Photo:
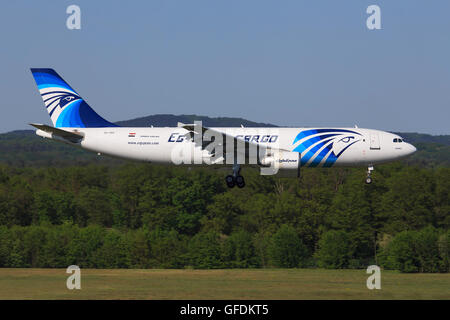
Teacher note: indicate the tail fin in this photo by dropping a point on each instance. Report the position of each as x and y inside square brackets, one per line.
[65, 107]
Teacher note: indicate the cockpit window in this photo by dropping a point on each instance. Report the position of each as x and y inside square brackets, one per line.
[400, 140]
[395, 140]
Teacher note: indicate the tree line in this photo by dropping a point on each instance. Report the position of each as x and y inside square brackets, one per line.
[147, 216]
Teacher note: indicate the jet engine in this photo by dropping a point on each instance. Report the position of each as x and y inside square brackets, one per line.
[282, 163]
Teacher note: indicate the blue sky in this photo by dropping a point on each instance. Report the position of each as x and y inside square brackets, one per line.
[294, 63]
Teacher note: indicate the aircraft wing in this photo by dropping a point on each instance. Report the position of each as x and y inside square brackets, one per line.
[242, 145]
[195, 129]
[66, 135]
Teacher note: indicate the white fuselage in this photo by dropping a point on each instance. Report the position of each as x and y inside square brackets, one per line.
[319, 147]
[76, 123]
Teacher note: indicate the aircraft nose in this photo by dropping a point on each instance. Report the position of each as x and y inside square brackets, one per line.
[411, 149]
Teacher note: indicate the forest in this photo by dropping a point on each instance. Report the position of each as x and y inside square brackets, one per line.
[135, 215]
[60, 206]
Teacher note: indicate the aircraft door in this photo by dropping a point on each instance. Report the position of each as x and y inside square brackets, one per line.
[374, 141]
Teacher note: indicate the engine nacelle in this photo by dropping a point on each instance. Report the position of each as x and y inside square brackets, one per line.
[281, 162]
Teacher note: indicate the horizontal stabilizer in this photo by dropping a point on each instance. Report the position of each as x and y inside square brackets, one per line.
[67, 135]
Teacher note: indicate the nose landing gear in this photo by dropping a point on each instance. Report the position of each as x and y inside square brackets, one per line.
[369, 172]
[236, 178]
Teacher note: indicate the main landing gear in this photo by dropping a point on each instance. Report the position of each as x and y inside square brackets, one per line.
[369, 172]
[235, 178]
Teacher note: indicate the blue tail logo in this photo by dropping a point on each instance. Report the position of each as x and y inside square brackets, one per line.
[65, 107]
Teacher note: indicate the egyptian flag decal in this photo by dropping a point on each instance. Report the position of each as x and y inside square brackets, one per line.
[132, 134]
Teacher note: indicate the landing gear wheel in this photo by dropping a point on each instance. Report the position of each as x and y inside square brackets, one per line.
[230, 181]
[235, 178]
[240, 181]
[369, 172]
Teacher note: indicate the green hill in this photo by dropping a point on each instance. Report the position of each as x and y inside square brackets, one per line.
[170, 120]
[416, 138]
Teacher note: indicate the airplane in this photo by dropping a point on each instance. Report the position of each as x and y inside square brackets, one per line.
[274, 150]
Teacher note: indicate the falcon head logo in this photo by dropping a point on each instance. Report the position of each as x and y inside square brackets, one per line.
[324, 146]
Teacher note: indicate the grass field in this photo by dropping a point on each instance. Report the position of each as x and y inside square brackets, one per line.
[220, 284]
